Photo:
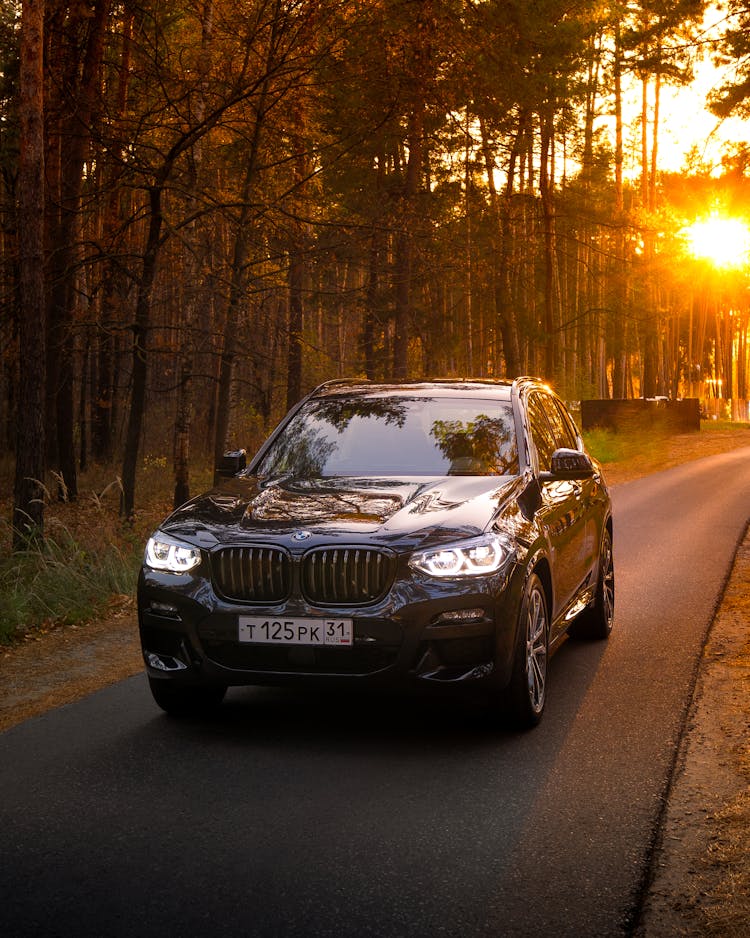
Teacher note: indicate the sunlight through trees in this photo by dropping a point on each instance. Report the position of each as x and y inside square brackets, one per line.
[242, 199]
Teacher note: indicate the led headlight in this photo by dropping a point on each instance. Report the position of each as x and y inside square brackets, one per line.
[476, 557]
[165, 553]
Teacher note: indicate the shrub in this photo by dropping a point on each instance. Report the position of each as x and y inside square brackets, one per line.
[60, 581]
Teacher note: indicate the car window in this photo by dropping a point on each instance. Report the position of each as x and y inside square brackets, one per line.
[570, 423]
[541, 432]
[394, 436]
[564, 433]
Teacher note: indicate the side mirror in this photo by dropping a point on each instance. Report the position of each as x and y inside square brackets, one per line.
[568, 464]
[230, 464]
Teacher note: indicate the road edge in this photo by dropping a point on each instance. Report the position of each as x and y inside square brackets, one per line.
[661, 909]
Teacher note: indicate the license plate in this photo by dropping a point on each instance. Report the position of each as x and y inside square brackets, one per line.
[266, 631]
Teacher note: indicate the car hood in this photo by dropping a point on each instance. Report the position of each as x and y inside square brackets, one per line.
[327, 510]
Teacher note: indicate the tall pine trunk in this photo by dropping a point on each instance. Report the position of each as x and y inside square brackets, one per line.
[75, 137]
[405, 245]
[112, 290]
[28, 506]
[192, 255]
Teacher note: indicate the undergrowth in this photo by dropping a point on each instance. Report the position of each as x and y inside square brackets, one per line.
[607, 446]
[88, 555]
[649, 450]
[59, 581]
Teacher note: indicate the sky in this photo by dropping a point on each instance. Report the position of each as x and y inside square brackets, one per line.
[685, 120]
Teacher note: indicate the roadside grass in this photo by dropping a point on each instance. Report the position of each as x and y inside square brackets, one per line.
[632, 454]
[88, 562]
[608, 446]
[724, 907]
[62, 582]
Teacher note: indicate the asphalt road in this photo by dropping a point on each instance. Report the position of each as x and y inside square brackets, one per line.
[292, 815]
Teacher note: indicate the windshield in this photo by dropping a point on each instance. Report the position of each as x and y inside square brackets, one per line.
[395, 436]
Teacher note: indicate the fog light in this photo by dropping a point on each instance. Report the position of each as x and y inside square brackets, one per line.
[163, 609]
[461, 615]
[164, 662]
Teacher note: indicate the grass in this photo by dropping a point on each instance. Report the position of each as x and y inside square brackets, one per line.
[609, 447]
[61, 582]
[632, 453]
[89, 558]
[718, 426]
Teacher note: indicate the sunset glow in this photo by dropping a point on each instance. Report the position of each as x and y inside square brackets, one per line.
[723, 241]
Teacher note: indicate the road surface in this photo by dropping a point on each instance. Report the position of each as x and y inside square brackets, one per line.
[306, 815]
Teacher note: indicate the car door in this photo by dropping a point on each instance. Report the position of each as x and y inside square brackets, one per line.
[561, 513]
[591, 489]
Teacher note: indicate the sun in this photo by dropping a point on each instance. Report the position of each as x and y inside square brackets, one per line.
[723, 241]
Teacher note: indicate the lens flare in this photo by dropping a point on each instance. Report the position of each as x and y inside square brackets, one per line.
[725, 242]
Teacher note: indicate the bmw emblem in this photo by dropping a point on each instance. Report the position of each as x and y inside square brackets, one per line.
[301, 535]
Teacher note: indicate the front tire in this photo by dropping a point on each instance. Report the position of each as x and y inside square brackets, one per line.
[186, 700]
[526, 693]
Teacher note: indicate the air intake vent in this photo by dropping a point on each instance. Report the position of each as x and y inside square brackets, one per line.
[253, 574]
[346, 576]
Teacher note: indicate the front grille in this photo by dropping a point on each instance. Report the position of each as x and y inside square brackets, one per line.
[345, 576]
[342, 576]
[253, 574]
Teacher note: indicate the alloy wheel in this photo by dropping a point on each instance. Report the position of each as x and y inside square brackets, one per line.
[536, 649]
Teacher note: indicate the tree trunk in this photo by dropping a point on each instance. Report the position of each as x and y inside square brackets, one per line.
[546, 185]
[75, 136]
[28, 506]
[236, 293]
[644, 141]
[103, 405]
[405, 245]
[139, 353]
[618, 324]
[295, 281]
[372, 325]
[184, 415]
[654, 144]
[502, 243]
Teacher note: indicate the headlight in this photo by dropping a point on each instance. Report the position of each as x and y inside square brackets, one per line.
[477, 557]
[165, 553]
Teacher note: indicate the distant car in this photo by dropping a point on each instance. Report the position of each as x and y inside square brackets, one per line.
[444, 534]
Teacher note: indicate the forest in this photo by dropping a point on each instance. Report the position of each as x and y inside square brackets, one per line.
[210, 206]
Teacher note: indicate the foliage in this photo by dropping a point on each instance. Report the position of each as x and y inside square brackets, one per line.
[244, 199]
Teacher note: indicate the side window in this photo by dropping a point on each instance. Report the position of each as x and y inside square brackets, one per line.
[541, 432]
[565, 435]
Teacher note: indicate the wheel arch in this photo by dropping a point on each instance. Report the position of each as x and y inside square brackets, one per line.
[542, 569]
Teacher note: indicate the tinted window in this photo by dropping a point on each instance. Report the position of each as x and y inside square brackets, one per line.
[541, 432]
[564, 433]
[423, 436]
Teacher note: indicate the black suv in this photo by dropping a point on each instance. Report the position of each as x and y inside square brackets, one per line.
[445, 533]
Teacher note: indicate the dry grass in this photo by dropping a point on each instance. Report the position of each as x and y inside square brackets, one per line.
[89, 555]
[702, 868]
[727, 909]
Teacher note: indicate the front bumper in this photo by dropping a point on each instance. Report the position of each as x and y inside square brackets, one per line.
[424, 631]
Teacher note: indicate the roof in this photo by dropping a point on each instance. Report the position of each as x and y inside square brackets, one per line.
[448, 387]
